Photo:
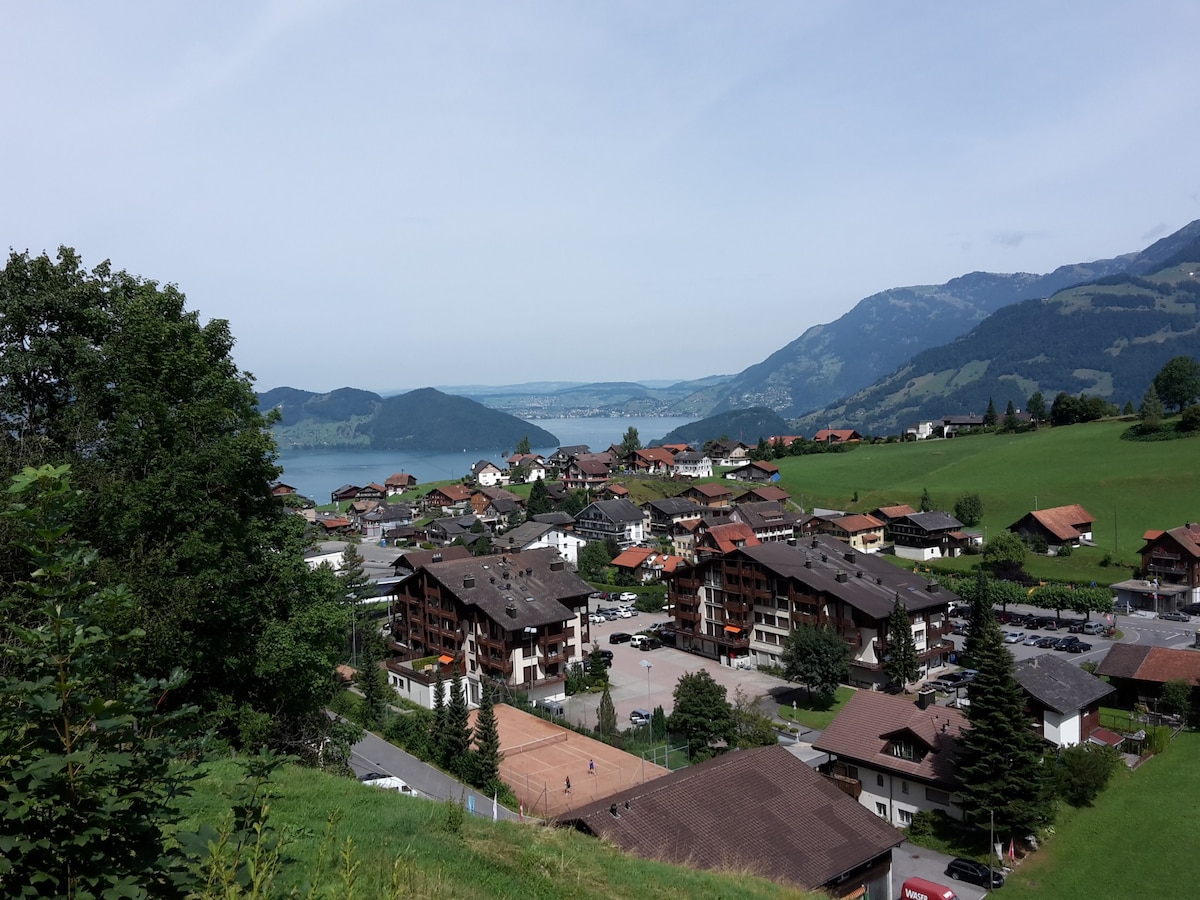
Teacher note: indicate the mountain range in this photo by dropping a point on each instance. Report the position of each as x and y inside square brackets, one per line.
[1103, 327]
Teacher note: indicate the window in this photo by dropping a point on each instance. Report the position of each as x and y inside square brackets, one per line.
[905, 817]
[904, 787]
[881, 810]
[879, 780]
[936, 796]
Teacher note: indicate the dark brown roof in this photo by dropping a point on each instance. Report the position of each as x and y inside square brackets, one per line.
[761, 810]
[1122, 660]
[768, 492]
[709, 489]
[1156, 664]
[1186, 536]
[864, 729]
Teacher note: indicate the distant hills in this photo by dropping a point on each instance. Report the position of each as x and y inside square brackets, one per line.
[424, 420]
[746, 425]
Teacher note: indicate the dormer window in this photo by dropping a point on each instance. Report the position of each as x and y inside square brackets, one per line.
[906, 750]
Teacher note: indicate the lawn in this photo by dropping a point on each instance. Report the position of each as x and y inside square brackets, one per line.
[405, 847]
[811, 716]
[1139, 840]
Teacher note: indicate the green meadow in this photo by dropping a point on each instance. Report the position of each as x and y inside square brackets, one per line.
[1127, 486]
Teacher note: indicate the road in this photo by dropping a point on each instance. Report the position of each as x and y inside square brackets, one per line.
[373, 754]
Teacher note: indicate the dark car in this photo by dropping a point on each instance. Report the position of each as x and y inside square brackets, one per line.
[1080, 647]
[973, 872]
[1049, 624]
[619, 637]
[1192, 609]
[1066, 642]
[667, 636]
[1046, 643]
[651, 643]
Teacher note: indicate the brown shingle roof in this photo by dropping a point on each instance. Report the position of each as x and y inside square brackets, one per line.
[853, 524]
[865, 727]
[1064, 522]
[1122, 660]
[709, 489]
[895, 512]
[729, 536]
[1163, 664]
[761, 810]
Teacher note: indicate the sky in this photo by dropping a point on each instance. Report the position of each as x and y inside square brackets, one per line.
[389, 195]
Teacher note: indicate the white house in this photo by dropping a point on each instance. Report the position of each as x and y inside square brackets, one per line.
[691, 464]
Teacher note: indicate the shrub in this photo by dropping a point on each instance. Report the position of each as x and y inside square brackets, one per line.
[1082, 772]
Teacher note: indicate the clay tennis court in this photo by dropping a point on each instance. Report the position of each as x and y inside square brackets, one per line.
[538, 756]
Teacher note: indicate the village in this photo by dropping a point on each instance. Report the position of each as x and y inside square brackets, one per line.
[716, 577]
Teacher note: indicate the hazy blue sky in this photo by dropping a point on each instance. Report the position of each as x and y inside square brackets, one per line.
[389, 195]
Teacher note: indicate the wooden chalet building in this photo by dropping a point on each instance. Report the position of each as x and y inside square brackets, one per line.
[345, 492]
[519, 619]
[586, 473]
[926, 535]
[1057, 526]
[769, 520]
[862, 532]
[661, 514]
[757, 471]
[1062, 700]
[1173, 558]
[616, 519]
[447, 499]
[710, 494]
[399, 483]
[744, 603]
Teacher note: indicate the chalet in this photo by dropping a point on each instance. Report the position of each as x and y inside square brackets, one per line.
[385, 518]
[495, 505]
[728, 453]
[784, 441]
[524, 468]
[660, 515]
[407, 563]
[926, 535]
[614, 490]
[837, 436]
[886, 514]
[1138, 671]
[764, 493]
[682, 536]
[1062, 699]
[534, 535]
[755, 470]
[520, 619]
[769, 520]
[452, 529]
[399, 483]
[645, 564]
[679, 448]
[760, 811]
[1057, 526]
[692, 464]
[335, 524]
[616, 519]
[372, 491]
[896, 759]
[563, 455]
[556, 492]
[746, 601]
[862, 532]
[1173, 558]
[919, 431]
[279, 489]
[585, 473]
[488, 474]
[562, 520]
[953, 425]
[650, 461]
[709, 494]
[717, 540]
[344, 493]
[448, 499]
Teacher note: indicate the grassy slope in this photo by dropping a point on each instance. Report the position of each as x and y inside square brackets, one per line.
[1133, 843]
[1128, 486]
[485, 860]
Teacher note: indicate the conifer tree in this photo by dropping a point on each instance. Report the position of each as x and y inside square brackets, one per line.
[901, 665]
[999, 759]
[607, 714]
[989, 417]
[1151, 410]
[487, 744]
[1010, 417]
[457, 739]
[437, 728]
[926, 501]
[372, 681]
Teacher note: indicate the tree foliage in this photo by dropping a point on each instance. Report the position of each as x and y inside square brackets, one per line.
[456, 743]
[1151, 411]
[901, 664]
[968, 509]
[607, 715]
[818, 658]
[989, 417]
[111, 374]
[523, 447]
[372, 681]
[630, 443]
[593, 560]
[1178, 382]
[487, 743]
[539, 499]
[752, 728]
[1036, 407]
[702, 714]
[87, 745]
[1004, 547]
[999, 759]
[1082, 771]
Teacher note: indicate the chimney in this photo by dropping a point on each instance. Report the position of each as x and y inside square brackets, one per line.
[468, 581]
[556, 565]
[849, 556]
[843, 577]
[511, 609]
[933, 587]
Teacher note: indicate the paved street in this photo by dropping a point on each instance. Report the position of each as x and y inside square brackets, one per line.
[373, 754]
[909, 860]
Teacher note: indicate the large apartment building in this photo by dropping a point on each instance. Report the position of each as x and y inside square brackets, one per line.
[516, 618]
[743, 604]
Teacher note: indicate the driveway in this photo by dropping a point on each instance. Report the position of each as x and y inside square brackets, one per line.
[909, 861]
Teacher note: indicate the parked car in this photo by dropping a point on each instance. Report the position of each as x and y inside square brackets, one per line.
[619, 637]
[1032, 640]
[1066, 642]
[627, 597]
[388, 783]
[1014, 637]
[1075, 627]
[639, 717]
[1093, 628]
[597, 618]
[1125, 608]
[1192, 609]
[1046, 643]
[1175, 616]
[953, 680]
[624, 614]
[962, 628]
[1049, 624]
[667, 636]
[974, 872]
[1080, 647]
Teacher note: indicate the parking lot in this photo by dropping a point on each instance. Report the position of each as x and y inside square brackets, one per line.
[645, 679]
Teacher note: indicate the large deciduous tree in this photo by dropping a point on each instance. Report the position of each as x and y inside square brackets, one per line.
[818, 658]
[1178, 382]
[630, 443]
[1036, 407]
[968, 509]
[111, 374]
[702, 714]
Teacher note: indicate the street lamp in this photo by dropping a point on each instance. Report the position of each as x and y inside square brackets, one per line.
[648, 666]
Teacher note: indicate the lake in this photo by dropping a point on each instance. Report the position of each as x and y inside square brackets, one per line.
[316, 473]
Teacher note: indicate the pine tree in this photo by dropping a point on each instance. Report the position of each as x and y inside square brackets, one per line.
[437, 728]
[989, 417]
[354, 587]
[999, 759]
[901, 665]
[607, 715]
[539, 499]
[457, 740]
[1011, 423]
[658, 724]
[926, 501]
[372, 681]
[487, 744]
[1151, 411]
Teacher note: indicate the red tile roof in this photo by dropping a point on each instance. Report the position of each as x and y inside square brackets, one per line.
[854, 524]
[767, 492]
[1157, 664]
[709, 489]
[896, 512]
[731, 536]
[633, 557]
[1064, 522]
[864, 729]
